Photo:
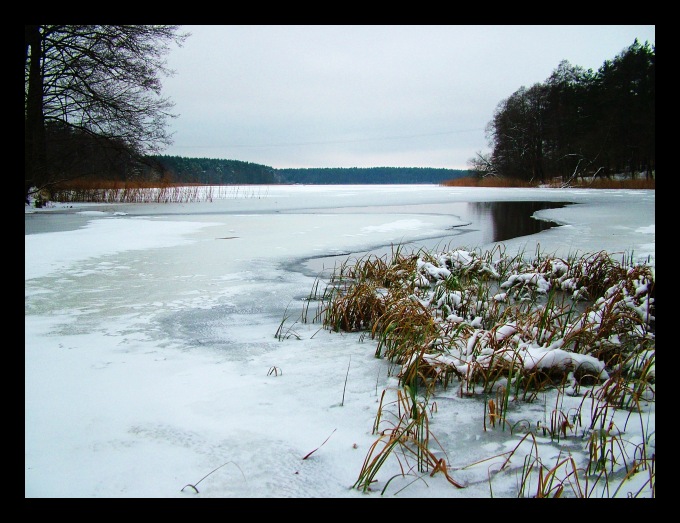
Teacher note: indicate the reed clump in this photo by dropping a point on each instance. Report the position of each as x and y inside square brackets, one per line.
[512, 329]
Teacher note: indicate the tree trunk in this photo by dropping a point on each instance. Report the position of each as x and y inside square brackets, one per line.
[34, 127]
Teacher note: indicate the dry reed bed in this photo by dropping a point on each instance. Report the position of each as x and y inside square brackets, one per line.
[125, 192]
[507, 329]
[558, 183]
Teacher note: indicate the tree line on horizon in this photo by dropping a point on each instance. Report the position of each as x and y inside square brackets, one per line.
[93, 110]
[216, 171]
[370, 175]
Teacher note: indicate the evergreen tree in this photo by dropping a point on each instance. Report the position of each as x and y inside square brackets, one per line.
[578, 122]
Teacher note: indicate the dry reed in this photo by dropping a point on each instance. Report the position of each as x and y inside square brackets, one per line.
[492, 323]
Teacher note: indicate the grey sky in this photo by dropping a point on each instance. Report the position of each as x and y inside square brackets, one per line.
[363, 96]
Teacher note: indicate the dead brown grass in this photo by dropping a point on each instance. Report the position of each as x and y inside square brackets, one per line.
[470, 181]
[603, 183]
[468, 318]
[598, 183]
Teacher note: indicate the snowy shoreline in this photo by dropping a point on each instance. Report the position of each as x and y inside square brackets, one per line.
[148, 344]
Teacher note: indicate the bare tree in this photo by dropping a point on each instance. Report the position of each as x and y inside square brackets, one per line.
[518, 134]
[101, 81]
[482, 165]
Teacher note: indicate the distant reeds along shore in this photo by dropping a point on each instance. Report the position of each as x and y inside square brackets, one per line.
[91, 191]
[585, 183]
[139, 191]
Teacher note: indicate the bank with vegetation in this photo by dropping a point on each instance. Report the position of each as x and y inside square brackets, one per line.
[576, 335]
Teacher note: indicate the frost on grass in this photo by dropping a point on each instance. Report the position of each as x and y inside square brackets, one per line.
[515, 327]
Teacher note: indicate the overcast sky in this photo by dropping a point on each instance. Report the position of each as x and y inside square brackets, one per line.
[363, 96]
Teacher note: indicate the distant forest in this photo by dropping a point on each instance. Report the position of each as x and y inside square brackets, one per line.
[211, 171]
[178, 169]
[367, 175]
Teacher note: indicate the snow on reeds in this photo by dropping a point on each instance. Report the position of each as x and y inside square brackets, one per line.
[511, 329]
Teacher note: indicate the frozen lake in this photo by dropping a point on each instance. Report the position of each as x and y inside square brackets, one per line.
[362, 217]
[150, 328]
[261, 251]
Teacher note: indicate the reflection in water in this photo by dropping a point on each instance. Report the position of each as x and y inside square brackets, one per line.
[510, 220]
[486, 222]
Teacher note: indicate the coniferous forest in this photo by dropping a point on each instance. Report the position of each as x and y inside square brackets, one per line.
[178, 169]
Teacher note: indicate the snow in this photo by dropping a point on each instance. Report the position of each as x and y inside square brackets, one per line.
[153, 368]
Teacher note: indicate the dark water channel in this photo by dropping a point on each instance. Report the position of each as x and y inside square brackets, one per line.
[54, 221]
[510, 220]
[484, 223]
